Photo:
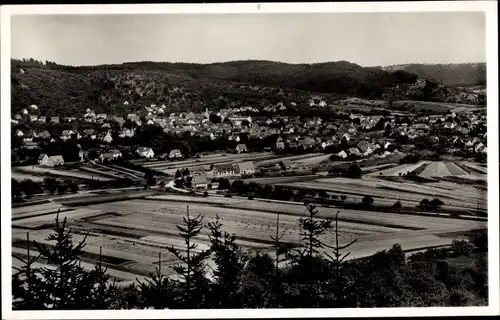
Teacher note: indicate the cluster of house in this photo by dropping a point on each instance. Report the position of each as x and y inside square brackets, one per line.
[292, 132]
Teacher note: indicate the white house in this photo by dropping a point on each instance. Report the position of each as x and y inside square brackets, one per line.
[107, 137]
[43, 159]
[200, 182]
[342, 154]
[479, 147]
[224, 170]
[240, 148]
[51, 161]
[175, 154]
[145, 152]
[126, 133]
[355, 151]
[246, 167]
[345, 137]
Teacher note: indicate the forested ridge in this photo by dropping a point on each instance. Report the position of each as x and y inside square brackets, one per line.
[460, 74]
[124, 88]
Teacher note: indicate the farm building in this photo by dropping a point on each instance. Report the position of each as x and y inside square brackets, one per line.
[240, 148]
[52, 161]
[33, 118]
[200, 182]
[110, 156]
[30, 145]
[246, 167]
[342, 154]
[355, 151]
[224, 170]
[54, 119]
[145, 152]
[107, 156]
[364, 147]
[175, 154]
[345, 137]
[306, 143]
[293, 145]
[119, 120]
[116, 153]
[126, 133]
[42, 119]
[44, 135]
[107, 137]
[420, 128]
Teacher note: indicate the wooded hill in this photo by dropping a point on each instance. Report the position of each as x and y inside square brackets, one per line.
[461, 74]
[124, 88]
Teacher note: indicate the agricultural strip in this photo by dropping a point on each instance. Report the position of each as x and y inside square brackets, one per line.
[58, 173]
[475, 167]
[454, 169]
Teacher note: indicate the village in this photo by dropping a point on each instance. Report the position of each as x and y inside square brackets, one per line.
[350, 135]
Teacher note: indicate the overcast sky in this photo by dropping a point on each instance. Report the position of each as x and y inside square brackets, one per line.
[364, 38]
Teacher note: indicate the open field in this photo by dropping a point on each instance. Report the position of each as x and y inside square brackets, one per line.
[203, 161]
[25, 176]
[430, 169]
[59, 173]
[133, 232]
[434, 106]
[475, 167]
[274, 180]
[461, 196]
[127, 170]
[397, 170]
[100, 173]
[314, 159]
[294, 158]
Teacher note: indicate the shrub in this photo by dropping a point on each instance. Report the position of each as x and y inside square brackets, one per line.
[397, 205]
[205, 194]
[461, 248]
[367, 201]
[73, 187]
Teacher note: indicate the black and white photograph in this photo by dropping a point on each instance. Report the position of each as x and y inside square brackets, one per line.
[271, 156]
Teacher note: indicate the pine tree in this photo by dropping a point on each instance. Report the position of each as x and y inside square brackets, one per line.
[230, 262]
[309, 265]
[27, 289]
[66, 286]
[192, 270]
[102, 292]
[337, 261]
[155, 292]
[281, 252]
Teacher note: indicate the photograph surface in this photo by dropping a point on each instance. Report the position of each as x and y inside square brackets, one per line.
[248, 160]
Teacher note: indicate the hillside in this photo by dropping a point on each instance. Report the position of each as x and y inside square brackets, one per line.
[462, 74]
[121, 89]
